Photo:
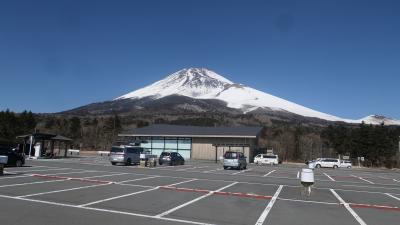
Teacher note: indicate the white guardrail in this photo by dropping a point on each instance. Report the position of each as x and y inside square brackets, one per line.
[103, 153]
[72, 151]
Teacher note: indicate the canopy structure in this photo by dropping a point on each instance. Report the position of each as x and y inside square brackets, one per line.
[43, 144]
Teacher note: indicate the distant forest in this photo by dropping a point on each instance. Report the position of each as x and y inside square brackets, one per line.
[293, 141]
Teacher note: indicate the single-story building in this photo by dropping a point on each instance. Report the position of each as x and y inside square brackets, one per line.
[194, 142]
[44, 144]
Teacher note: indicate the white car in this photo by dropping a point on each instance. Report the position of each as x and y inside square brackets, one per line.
[266, 159]
[346, 164]
[327, 163]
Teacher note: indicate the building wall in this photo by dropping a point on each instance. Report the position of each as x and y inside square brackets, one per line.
[202, 148]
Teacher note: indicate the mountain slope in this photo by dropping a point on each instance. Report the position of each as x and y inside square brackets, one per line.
[196, 91]
[201, 83]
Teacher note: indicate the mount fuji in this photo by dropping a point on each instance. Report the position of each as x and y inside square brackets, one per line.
[193, 91]
[204, 84]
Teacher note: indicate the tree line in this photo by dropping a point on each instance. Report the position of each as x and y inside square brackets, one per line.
[378, 144]
[292, 141]
[13, 124]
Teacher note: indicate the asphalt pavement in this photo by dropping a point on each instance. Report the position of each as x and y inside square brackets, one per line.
[89, 190]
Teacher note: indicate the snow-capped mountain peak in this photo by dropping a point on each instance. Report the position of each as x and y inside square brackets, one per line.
[191, 82]
[379, 119]
[201, 83]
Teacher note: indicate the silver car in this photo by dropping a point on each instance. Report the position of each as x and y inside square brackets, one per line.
[234, 160]
[125, 154]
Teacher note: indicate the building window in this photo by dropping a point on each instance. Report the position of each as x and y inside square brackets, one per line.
[185, 143]
[157, 145]
[171, 143]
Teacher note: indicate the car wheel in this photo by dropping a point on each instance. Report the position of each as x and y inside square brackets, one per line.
[113, 163]
[349, 167]
[128, 162]
[182, 162]
[225, 167]
[245, 167]
[18, 163]
[318, 166]
[335, 167]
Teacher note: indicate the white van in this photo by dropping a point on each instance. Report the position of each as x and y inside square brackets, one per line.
[266, 159]
[327, 163]
[125, 154]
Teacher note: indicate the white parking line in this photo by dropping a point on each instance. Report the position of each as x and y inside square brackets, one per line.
[19, 176]
[137, 185]
[347, 206]
[40, 170]
[63, 190]
[56, 180]
[306, 201]
[329, 177]
[143, 178]
[193, 201]
[117, 197]
[107, 175]
[104, 210]
[29, 175]
[209, 171]
[241, 171]
[24, 167]
[85, 171]
[373, 187]
[186, 169]
[36, 182]
[363, 179]
[182, 182]
[167, 167]
[392, 196]
[271, 203]
[265, 175]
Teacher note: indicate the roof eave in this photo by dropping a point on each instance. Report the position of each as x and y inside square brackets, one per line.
[182, 135]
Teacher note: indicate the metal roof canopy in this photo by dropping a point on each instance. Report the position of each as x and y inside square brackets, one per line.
[231, 145]
[45, 136]
[194, 131]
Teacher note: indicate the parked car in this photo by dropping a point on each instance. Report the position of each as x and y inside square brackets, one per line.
[171, 158]
[125, 154]
[14, 158]
[346, 164]
[234, 160]
[266, 159]
[327, 163]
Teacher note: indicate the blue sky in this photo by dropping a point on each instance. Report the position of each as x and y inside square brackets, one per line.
[340, 57]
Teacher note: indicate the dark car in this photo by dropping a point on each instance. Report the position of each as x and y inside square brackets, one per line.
[171, 158]
[14, 158]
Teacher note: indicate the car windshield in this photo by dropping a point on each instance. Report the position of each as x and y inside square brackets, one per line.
[116, 150]
[231, 155]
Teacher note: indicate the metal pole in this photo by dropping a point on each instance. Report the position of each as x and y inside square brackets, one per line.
[30, 145]
[216, 152]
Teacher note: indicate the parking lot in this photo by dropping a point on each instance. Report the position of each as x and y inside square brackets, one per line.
[89, 190]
